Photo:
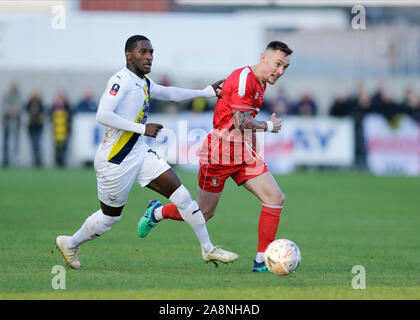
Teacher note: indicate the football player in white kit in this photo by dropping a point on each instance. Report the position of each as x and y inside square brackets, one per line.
[123, 158]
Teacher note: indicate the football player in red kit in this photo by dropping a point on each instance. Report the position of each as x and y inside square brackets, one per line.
[230, 150]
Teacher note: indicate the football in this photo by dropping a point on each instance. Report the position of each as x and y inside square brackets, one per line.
[282, 256]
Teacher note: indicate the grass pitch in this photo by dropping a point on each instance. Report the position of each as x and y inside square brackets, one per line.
[338, 220]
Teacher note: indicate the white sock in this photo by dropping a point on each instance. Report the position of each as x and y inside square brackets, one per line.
[158, 213]
[203, 236]
[260, 257]
[191, 213]
[95, 225]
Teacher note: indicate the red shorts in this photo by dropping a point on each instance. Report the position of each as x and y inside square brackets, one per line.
[212, 177]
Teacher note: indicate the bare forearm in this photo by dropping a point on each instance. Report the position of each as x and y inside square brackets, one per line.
[243, 120]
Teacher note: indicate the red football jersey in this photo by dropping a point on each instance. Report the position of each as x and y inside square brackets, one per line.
[241, 91]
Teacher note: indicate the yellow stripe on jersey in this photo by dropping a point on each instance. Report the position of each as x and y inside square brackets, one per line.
[122, 141]
[126, 138]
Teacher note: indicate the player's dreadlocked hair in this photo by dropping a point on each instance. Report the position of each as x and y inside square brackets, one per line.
[132, 42]
[278, 45]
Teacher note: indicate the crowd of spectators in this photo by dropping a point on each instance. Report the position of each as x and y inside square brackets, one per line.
[381, 102]
[350, 105]
[33, 113]
[356, 106]
[360, 104]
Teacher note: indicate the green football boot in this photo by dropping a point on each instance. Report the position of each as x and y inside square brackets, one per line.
[260, 267]
[148, 221]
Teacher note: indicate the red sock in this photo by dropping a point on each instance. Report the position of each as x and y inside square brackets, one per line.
[170, 211]
[268, 225]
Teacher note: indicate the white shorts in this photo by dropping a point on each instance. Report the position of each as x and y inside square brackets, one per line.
[115, 180]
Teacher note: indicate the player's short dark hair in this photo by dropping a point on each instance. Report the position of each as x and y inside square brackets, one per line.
[278, 45]
[131, 42]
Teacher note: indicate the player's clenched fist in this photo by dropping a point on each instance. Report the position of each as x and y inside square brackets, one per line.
[276, 123]
[152, 129]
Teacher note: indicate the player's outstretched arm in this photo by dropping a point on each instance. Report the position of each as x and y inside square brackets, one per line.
[180, 94]
[243, 120]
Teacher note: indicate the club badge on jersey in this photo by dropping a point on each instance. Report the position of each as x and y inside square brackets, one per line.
[215, 182]
[114, 89]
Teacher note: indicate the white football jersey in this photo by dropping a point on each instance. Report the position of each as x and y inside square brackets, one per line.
[130, 97]
[125, 104]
